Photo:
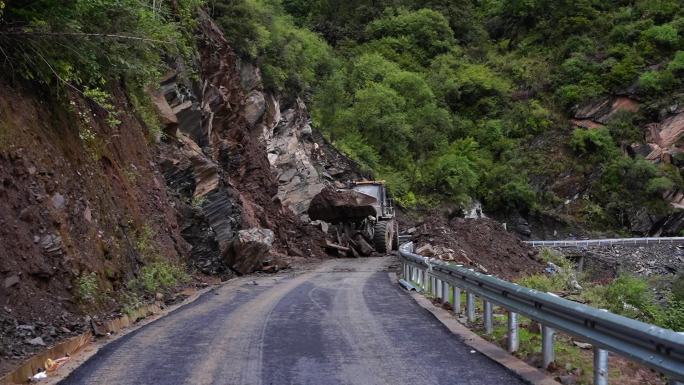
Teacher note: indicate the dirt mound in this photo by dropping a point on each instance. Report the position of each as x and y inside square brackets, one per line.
[482, 244]
[336, 206]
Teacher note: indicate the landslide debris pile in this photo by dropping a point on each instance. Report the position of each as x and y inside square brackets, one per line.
[337, 207]
[482, 244]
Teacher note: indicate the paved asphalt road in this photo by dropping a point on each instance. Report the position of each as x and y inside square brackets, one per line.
[343, 322]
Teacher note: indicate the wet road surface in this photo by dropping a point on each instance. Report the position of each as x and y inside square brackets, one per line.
[344, 322]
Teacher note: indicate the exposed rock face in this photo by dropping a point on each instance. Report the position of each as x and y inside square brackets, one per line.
[211, 215]
[663, 140]
[248, 249]
[290, 152]
[599, 113]
[665, 136]
[255, 106]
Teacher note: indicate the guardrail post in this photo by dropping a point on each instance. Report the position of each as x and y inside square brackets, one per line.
[457, 300]
[580, 264]
[600, 366]
[513, 342]
[438, 288]
[445, 292]
[547, 346]
[470, 306]
[488, 325]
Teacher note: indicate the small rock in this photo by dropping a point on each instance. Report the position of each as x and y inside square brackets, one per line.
[159, 296]
[11, 281]
[411, 230]
[582, 345]
[426, 250]
[568, 380]
[65, 330]
[58, 201]
[88, 214]
[26, 327]
[97, 329]
[38, 341]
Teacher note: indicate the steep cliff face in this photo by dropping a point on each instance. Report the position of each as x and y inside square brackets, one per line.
[80, 202]
[80, 197]
[662, 143]
[77, 196]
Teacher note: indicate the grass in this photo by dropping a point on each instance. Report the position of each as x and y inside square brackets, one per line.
[198, 202]
[627, 295]
[158, 276]
[144, 243]
[87, 289]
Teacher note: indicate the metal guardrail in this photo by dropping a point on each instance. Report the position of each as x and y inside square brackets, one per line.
[608, 242]
[658, 348]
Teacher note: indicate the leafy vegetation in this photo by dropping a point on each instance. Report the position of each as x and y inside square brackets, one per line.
[87, 47]
[445, 100]
[158, 276]
[87, 290]
[627, 295]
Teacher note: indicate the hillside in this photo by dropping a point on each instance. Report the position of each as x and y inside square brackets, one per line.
[147, 146]
[569, 111]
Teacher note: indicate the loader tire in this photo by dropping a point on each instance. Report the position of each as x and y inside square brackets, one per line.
[383, 237]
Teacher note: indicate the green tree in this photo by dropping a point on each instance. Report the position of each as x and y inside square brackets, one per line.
[426, 33]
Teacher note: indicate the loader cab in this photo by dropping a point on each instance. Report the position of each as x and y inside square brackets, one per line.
[377, 190]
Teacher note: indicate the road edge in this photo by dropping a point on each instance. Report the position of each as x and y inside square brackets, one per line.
[93, 347]
[526, 371]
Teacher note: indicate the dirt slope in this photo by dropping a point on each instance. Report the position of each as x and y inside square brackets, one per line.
[81, 197]
[482, 244]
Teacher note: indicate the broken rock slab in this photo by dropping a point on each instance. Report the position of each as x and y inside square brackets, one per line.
[426, 250]
[337, 206]
[362, 246]
[248, 249]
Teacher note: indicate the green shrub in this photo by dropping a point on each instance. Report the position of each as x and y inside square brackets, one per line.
[630, 296]
[157, 276]
[145, 243]
[543, 282]
[87, 289]
[425, 32]
[87, 43]
[676, 66]
[622, 128]
[664, 35]
[656, 82]
[671, 316]
[595, 142]
[678, 288]
[574, 94]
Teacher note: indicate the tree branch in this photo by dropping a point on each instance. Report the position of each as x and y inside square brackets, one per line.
[81, 34]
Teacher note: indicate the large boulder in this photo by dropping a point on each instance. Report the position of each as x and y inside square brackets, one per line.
[337, 206]
[255, 106]
[248, 250]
